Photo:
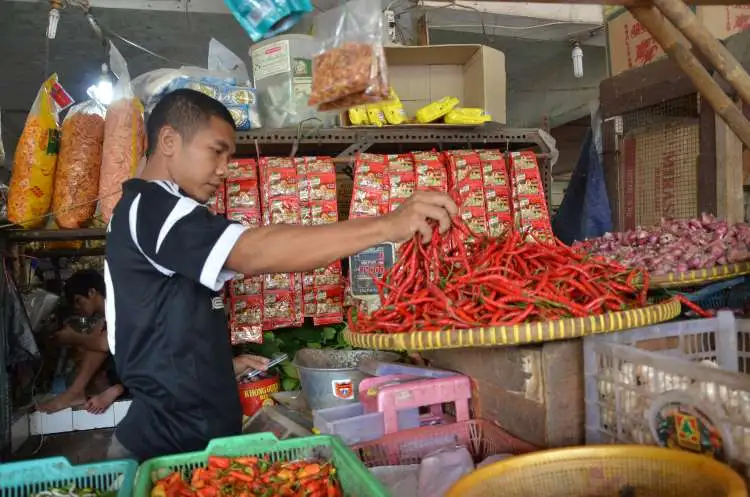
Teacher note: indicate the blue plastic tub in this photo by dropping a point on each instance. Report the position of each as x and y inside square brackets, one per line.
[25, 478]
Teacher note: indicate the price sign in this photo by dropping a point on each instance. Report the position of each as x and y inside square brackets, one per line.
[373, 262]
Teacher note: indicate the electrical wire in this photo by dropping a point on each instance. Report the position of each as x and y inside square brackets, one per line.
[142, 48]
[498, 26]
[86, 7]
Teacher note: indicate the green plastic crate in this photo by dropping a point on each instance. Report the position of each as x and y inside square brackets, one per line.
[355, 479]
[25, 478]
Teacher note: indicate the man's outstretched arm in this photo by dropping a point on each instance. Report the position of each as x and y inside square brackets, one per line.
[288, 248]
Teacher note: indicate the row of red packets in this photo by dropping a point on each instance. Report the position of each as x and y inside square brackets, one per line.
[497, 192]
[288, 191]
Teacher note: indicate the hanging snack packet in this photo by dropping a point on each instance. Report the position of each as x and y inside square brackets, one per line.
[124, 137]
[350, 69]
[30, 189]
[78, 165]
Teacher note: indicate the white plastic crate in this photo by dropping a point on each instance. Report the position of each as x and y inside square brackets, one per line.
[644, 384]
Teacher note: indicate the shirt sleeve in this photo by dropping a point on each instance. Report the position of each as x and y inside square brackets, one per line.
[179, 235]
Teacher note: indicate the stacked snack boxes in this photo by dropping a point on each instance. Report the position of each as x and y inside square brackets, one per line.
[497, 193]
[402, 180]
[530, 213]
[282, 292]
[371, 187]
[465, 177]
[430, 171]
[322, 289]
[217, 203]
[245, 292]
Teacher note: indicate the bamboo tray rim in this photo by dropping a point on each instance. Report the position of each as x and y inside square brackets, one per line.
[699, 276]
[521, 334]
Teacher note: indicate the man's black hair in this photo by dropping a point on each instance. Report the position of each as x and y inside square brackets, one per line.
[81, 282]
[185, 111]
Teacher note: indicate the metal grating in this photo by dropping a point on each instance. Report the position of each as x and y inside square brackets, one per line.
[658, 160]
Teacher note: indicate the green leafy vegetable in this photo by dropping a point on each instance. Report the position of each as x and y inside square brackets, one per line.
[292, 340]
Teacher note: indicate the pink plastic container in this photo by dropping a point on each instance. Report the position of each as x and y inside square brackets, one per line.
[393, 393]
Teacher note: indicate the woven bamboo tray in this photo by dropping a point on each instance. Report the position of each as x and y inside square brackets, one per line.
[699, 276]
[521, 334]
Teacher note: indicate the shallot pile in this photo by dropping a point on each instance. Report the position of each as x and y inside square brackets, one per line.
[676, 246]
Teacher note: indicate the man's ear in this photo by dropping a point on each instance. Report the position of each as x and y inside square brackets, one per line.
[169, 141]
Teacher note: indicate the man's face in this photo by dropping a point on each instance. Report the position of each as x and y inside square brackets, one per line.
[86, 306]
[200, 164]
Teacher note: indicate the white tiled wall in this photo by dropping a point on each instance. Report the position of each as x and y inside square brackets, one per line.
[74, 420]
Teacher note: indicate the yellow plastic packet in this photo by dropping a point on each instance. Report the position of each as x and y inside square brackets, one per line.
[394, 113]
[32, 182]
[375, 115]
[393, 109]
[358, 116]
[435, 110]
[467, 116]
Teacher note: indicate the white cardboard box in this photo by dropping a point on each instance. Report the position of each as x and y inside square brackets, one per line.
[75, 420]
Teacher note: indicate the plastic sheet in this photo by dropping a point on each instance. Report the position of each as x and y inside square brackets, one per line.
[225, 80]
[40, 304]
[585, 211]
[15, 323]
[440, 470]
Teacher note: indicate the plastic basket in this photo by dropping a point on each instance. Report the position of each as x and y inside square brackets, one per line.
[25, 478]
[732, 294]
[354, 477]
[641, 384]
[608, 470]
[482, 438]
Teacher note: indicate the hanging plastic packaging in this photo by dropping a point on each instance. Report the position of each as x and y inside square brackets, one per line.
[350, 69]
[78, 165]
[124, 137]
[33, 176]
[265, 18]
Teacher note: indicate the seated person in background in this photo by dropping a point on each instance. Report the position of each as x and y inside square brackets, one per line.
[85, 290]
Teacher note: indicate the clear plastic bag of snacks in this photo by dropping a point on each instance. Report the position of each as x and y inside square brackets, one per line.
[350, 69]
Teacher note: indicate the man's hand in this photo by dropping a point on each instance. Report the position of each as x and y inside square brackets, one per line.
[415, 214]
[246, 362]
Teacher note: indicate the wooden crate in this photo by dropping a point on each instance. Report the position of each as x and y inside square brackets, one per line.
[534, 392]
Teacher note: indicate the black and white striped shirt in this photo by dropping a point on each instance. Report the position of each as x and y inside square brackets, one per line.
[166, 325]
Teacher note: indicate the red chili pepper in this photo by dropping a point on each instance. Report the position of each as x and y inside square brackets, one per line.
[693, 307]
[448, 284]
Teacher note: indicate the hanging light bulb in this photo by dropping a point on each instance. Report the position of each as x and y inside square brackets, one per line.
[577, 56]
[53, 19]
[102, 91]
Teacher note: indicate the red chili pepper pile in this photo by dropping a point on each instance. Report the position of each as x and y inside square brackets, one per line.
[498, 282]
[252, 477]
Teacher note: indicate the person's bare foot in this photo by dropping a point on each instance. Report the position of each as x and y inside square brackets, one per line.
[66, 399]
[100, 403]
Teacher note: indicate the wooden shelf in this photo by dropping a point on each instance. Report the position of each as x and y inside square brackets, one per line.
[44, 235]
[58, 253]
